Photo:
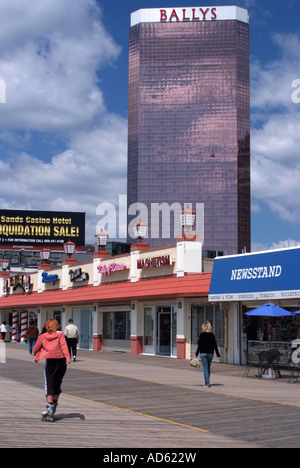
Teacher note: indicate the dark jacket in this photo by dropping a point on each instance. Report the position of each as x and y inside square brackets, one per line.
[207, 344]
[32, 331]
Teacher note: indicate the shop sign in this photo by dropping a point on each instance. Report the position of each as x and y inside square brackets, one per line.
[266, 276]
[78, 275]
[107, 270]
[194, 14]
[189, 14]
[46, 278]
[20, 281]
[154, 262]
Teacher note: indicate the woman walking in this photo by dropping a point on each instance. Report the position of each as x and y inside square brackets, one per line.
[206, 346]
[52, 346]
[3, 330]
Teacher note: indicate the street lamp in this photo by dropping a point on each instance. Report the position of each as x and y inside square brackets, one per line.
[45, 254]
[4, 267]
[187, 220]
[69, 248]
[101, 240]
[140, 231]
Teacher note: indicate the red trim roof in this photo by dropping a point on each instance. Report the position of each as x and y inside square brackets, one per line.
[192, 285]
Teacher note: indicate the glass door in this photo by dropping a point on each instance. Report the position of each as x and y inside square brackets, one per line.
[85, 329]
[160, 329]
[83, 320]
[164, 327]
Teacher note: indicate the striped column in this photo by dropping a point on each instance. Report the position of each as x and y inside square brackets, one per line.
[15, 327]
[24, 325]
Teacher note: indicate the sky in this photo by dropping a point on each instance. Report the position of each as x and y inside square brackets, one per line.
[64, 101]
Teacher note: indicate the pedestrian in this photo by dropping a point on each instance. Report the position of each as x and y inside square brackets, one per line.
[32, 334]
[52, 347]
[206, 346]
[72, 337]
[3, 330]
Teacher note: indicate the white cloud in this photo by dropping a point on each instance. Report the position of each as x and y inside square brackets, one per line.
[51, 56]
[276, 139]
[284, 244]
[272, 81]
[91, 171]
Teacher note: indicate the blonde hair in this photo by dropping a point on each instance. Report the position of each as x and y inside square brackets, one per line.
[206, 327]
[51, 325]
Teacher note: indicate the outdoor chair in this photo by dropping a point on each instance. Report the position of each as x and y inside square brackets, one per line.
[266, 359]
[276, 359]
[252, 362]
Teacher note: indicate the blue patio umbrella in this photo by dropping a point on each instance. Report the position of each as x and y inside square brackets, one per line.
[269, 310]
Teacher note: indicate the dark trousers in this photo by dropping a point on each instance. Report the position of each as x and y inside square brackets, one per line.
[72, 346]
[55, 370]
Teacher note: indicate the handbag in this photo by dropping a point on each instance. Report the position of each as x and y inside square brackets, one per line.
[195, 362]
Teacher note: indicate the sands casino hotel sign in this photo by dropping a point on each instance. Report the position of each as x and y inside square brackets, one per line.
[189, 14]
[44, 227]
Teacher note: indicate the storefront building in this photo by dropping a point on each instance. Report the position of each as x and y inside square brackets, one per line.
[146, 302]
[242, 283]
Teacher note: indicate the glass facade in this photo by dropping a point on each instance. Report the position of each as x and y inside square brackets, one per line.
[189, 125]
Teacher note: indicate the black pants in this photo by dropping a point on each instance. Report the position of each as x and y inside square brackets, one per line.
[55, 370]
[72, 346]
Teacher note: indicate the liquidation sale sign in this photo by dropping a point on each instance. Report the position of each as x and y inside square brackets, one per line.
[46, 227]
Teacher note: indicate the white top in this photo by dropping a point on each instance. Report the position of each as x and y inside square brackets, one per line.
[186, 14]
[71, 331]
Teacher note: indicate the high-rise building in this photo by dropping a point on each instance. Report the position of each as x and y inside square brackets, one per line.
[189, 122]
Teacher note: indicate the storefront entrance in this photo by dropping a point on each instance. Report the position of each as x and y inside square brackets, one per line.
[83, 320]
[160, 325]
[164, 333]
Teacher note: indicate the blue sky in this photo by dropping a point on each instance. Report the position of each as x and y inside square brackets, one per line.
[63, 126]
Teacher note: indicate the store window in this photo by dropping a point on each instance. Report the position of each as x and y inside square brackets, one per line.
[116, 331]
[54, 314]
[216, 317]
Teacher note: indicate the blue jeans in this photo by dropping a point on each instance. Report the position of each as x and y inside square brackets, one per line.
[32, 342]
[206, 360]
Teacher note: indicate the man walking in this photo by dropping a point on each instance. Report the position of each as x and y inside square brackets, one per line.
[72, 337]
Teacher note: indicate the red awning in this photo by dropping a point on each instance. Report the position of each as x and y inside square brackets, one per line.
[193, 285]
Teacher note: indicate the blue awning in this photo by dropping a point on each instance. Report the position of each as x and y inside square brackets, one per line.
[257, 276]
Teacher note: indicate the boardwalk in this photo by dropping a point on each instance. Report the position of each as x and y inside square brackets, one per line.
[114, 400]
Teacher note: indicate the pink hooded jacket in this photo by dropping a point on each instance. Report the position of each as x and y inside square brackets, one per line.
[51, 346]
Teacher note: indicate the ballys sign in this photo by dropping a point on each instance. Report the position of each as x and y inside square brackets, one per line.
[188, 14]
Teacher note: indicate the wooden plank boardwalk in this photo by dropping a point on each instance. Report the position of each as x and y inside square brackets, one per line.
[118, 400]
